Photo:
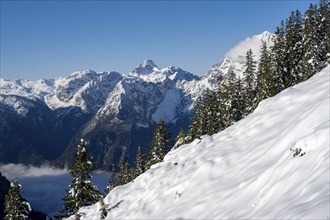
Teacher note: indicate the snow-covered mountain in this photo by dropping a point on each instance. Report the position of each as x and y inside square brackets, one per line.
[85, 89]
[111, 111]
[235, 57]
[137, 102]
[274, 164]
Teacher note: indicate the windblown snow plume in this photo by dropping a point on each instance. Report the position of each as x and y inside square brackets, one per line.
[274, 164]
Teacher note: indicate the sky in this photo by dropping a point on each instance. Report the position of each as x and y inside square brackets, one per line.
[48, 39]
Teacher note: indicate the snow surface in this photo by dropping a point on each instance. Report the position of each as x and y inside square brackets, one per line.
[167, 109]
[244, 172]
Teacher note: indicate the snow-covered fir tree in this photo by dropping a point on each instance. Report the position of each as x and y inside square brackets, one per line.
[124, 172]
[159, 144]
[225, 93]
[211, 103]
[180, 139]
[139, 163]
[237, 104]
[112, 181]
[15, 207]
[323, 25]
[197, 126]
[278, 56]
[249, 83]
[294, 49]
[81, 191]
[311, 43]
[265, 80]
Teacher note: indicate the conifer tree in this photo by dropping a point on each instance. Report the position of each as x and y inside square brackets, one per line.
[15, 207]
[197, 127]
[81, 191]
[210, 113]
[159, 144]
[113, 180]
[180, 139]
[323, 29]
[237, 102]
[294, 49]
[278, 56]
[124, 174]
[313, 55]
[225, 93]
[249, 84]
[139, 163]
[265, 83]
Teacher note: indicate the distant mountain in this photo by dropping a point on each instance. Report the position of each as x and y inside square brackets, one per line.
[136, 103]
[235, 57]
[43, 120]
[273, 164]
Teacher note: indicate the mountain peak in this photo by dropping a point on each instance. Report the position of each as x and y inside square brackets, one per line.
[265, 36]
[148, 64]
[238, 52]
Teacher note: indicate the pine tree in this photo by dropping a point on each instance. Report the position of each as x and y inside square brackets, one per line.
[226, 93]
[124, 174]
[197, 126]
[249, 84]
[113, 180]
[294, 49]
[278, 56]
[15, 207]
[323, 30]
[237, 103]
[180, 139]
[139, 163]
[159, 144]
[81, 192]
[210, 113]
[265, 83]
[313, 55]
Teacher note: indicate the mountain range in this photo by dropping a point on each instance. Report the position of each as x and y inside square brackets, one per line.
[42, 121]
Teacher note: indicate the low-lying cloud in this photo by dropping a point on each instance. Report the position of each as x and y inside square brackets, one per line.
[17, 171]
[44, 187]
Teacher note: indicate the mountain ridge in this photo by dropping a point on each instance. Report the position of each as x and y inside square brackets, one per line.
[113, 111]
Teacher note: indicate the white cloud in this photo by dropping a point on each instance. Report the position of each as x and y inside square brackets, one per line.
[17, 171]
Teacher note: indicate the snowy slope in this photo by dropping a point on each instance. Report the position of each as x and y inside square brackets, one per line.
[245, 172]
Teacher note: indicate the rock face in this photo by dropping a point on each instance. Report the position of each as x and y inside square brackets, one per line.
[43, 120]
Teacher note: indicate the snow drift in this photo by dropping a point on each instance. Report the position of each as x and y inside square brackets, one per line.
[247, 171]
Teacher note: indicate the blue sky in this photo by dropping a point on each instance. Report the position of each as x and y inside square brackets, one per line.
[47, 39]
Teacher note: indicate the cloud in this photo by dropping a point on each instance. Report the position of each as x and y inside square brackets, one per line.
[17, 171]
[44, 187]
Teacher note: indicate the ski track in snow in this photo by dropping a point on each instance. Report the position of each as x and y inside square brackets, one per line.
[244, 172]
